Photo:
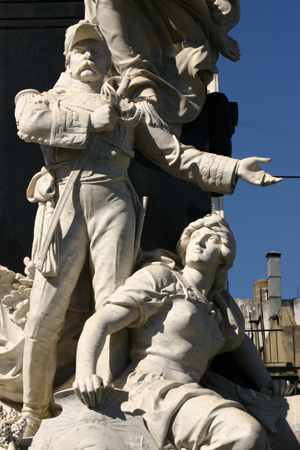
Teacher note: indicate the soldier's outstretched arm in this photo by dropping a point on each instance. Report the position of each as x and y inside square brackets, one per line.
[209, 171]
[215, 173]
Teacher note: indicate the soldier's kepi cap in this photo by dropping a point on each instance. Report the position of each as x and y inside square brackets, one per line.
[81, 31]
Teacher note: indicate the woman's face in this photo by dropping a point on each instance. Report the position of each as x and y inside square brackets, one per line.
[204, 250]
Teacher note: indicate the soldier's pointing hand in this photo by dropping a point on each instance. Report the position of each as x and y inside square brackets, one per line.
[249, 170]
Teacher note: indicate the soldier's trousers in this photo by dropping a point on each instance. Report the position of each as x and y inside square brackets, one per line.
[97, 223]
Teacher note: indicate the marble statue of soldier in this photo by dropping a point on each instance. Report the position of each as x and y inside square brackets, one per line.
[86, 132]
[180, 317]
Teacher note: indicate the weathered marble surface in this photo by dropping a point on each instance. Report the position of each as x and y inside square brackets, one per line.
[85, 126]
[168, 48]
[87, 130]
[179, 320]
[104, 427]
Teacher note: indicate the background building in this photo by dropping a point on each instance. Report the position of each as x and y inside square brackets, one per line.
[273, 323]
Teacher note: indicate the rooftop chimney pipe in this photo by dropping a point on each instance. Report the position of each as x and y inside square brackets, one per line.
[274, 282]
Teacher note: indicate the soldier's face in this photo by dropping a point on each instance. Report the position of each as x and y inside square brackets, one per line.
[88, 61]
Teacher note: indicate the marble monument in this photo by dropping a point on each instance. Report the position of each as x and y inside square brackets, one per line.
[123, 90]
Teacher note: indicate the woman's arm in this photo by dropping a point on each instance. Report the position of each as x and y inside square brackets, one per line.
[249, 360]
[107, 320]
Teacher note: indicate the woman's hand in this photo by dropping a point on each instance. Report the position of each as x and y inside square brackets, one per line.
[277, 388]
[89, 389]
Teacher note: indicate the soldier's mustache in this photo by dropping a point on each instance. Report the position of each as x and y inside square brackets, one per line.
[88, 63]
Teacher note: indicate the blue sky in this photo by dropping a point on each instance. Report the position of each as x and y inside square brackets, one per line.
[265, 83]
